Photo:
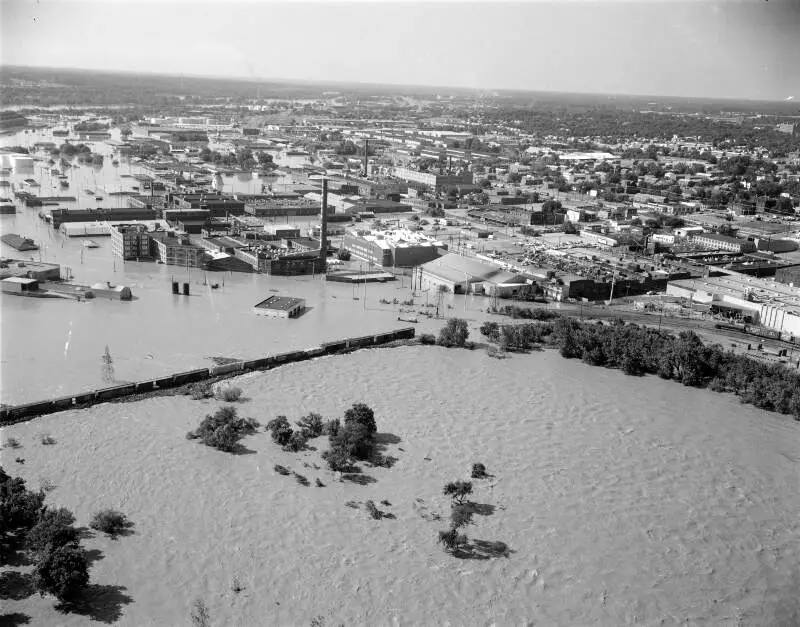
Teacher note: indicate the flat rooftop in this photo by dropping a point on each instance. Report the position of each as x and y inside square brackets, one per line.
[280, 303]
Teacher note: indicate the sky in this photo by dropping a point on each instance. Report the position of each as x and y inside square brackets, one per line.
[746, 49]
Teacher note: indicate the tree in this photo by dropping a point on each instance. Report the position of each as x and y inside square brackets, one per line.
[354, 440]
[363, 415]
[63, 572]
[280, 429]
[311, 425]
[452, 540]
[784, 205]
[454, 333]
[551, 206]
[223, 429]
[53, 530]
[458, 490]
[19, 507]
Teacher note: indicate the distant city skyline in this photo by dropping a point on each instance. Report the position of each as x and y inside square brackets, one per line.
[736, 49]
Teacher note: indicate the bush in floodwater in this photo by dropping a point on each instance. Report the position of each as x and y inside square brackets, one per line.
[478, 471]
[110, 522]
[452, 540]
[296, 442]
[223, 429]
[454, 333]
[311, 425]
[63, 572]
[280, 429]
[331, 427]
[200, 390]
[427, 338]
[458, 490]
[53, 529]
[230, 394]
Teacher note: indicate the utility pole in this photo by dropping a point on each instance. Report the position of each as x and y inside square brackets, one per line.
[108, 366]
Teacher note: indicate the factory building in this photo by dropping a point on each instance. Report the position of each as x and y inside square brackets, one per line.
[398, 247]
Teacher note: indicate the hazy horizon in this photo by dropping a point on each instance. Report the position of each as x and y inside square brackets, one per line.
[705, 49]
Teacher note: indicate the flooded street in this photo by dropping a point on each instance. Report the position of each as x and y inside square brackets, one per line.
[53, 347]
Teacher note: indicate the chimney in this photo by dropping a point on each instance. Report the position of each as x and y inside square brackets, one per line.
[323, 235]
[366, 157]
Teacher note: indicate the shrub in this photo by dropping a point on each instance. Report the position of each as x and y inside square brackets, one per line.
[331, 427]
[311, 425]
[460, 516]
[384, 461]
[199, 614]
[110, 522]
[478, 471]
[361, 414]
[282, 470]
[490, 330]
[223, 429]
[452, 540]
[12, 443]
[458, 490]
[281, 430]
[201, 390]
[372, 510]
[46, 485]
[63, 572]
[53, 530]
[318, 483]
[230, 394]
[454, 333]
[427, 338]
[47, 440]
[337, 460]
[296, 442]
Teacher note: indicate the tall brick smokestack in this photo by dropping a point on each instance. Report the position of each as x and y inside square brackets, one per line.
[366, 157]
[323, 236]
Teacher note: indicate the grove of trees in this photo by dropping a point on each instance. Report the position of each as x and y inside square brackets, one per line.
[638, 350]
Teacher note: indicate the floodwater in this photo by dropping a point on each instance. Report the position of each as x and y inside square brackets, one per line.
[623, 500]
[53, 347]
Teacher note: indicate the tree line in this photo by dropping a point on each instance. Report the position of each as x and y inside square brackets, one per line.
[638, 350]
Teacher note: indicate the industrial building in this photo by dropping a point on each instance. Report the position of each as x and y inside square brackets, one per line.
[280, 307]
[461, 275]
[130, 241]
[771, 304]
[60, 216]
[437, 182]
[715, 241]
[175, 249]
[398, 247]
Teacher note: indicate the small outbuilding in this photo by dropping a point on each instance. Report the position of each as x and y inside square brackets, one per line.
[280, 307]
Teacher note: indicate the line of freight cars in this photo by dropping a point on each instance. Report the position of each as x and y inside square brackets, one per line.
[11, 414]
[755, 330]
